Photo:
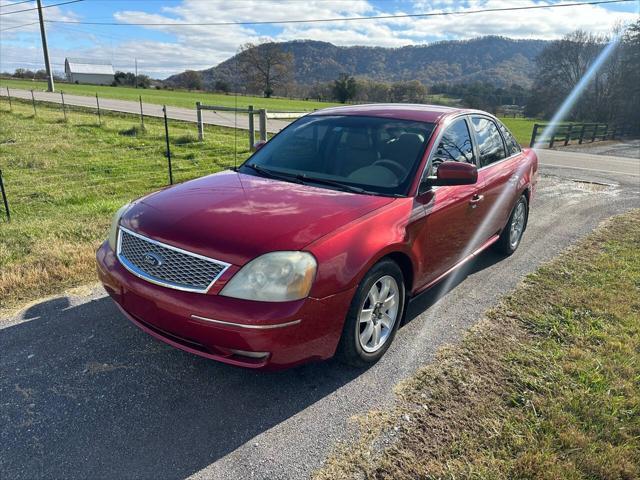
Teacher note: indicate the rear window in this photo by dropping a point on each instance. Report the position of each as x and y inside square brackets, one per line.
[511, 143]
[490, 143]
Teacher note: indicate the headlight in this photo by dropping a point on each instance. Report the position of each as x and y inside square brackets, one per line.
[115, 222]
[274, 277]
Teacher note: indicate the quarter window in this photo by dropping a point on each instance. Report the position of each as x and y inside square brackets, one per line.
[455, 146]
[513, 146]
[490, 143]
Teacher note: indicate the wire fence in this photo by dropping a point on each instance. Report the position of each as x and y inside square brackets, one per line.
[57, 156]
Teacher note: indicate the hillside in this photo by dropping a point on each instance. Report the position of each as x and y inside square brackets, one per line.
[501, 61]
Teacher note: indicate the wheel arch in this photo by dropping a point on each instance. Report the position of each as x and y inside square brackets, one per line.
[406, 266]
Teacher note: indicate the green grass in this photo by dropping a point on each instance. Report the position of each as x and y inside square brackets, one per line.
[520, 127]
[64, 181]
[547, 386]
[178, 98]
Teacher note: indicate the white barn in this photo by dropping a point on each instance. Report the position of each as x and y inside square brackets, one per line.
[95, 72]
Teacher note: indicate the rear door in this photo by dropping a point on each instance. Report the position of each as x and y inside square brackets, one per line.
[452, 214]
[497, 164]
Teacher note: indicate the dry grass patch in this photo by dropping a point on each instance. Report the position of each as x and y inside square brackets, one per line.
[547, 386]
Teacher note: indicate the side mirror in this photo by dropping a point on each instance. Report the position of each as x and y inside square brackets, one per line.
[258, 145]
[453, 173]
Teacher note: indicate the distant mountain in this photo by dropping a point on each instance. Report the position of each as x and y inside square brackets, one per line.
[499, 60]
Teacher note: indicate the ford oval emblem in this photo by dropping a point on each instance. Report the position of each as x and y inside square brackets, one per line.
[152, 259]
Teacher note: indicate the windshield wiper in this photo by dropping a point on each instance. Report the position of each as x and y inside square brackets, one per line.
[333, 183]
[270, 173]
[304, 178]
[345, 186]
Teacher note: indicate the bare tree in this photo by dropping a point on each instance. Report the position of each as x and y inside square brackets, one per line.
[265, 67]
[563, 64]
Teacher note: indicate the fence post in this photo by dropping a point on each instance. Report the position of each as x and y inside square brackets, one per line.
[166, 136]
[9, 97]
[98, 105]
[595, 132]
[567, 137]
[141, 114]
[534, 134]
[4, 198]
[606, 132]
[33, 101]
[64, 107]
[584, 125]
[553, 136]
[199, 119]
[252, 129]
[263, 124]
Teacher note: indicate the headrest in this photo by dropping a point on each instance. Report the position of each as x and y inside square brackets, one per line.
[357, 140]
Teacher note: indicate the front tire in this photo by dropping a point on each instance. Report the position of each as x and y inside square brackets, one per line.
[374, 315]
[511, 235]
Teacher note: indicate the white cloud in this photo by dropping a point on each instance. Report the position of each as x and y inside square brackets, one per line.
[201, 46]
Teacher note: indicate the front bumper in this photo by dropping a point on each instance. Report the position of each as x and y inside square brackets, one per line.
[238, 332]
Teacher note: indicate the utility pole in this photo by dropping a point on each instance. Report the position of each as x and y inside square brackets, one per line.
[45, 50]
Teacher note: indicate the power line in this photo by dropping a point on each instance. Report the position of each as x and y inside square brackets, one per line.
[15, 3]
[344, 19]
[36, 8]
[19, 26]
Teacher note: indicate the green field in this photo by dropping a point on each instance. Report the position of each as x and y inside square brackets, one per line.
[64, 181]
[178, 98]
[520, 127]
[546, 387]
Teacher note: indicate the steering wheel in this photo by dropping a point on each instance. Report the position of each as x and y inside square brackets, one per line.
[396, 167]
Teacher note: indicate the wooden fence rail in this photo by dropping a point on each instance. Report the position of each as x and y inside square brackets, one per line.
[262, 113]
[565, 133]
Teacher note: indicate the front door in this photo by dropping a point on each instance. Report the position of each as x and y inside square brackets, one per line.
[448, 231]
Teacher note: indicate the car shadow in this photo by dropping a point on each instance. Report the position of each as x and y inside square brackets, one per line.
[85, 394]
[428, 298]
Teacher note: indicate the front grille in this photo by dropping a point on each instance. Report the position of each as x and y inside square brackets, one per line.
[166, 265]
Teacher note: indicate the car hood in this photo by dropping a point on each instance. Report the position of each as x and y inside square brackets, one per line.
[235, 217]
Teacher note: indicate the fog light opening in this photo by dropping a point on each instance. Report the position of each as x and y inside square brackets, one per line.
[244, 353]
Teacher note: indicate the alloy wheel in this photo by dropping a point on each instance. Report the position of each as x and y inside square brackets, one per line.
[517, 225]
[378, 314]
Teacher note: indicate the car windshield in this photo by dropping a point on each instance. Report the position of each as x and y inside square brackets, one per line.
[355, 153]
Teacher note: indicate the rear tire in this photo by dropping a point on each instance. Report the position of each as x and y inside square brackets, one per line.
[374, 315]
[511, 235]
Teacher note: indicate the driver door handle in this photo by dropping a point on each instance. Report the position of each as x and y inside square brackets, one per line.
[475, 200]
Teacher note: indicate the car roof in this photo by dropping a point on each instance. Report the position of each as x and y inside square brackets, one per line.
[400, 111]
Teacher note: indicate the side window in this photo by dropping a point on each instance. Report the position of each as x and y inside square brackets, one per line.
[513, 146]
[490, 143]
[455, 146]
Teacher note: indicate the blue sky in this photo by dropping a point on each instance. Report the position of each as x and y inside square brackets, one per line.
[163, 50]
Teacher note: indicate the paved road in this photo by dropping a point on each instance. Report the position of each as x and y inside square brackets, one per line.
[223, 119]
[85, 394]
[628, 147]
[590, 164]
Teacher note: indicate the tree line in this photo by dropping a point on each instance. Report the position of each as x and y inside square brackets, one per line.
[613, 94]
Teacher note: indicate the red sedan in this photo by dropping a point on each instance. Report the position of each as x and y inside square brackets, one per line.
[314, 245]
